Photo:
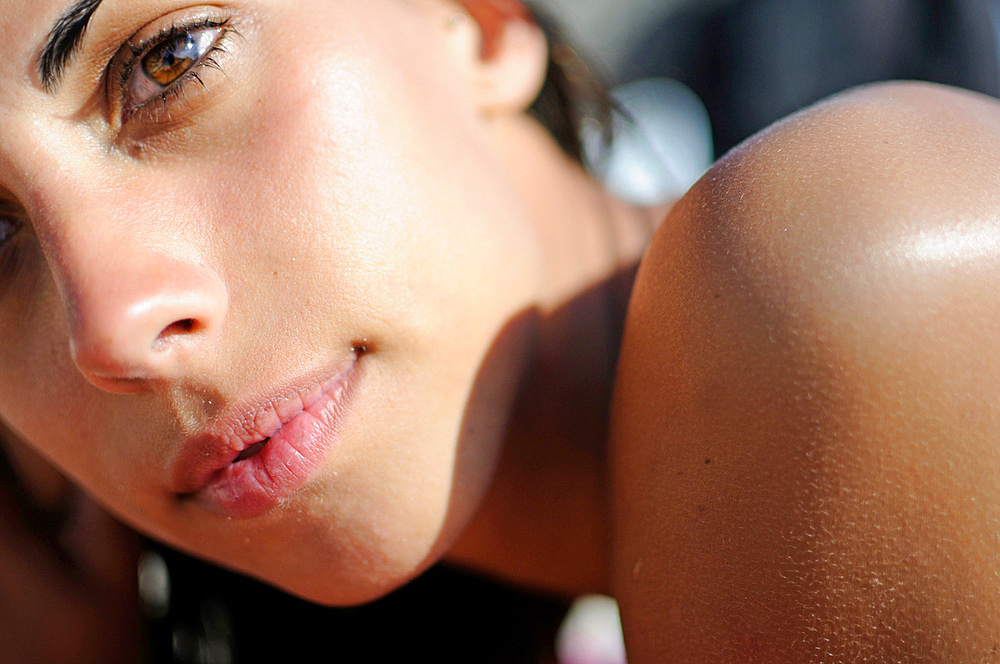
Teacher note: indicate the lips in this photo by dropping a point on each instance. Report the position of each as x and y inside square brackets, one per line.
[261, 452]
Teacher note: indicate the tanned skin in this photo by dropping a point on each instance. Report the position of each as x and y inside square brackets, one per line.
[806, 413]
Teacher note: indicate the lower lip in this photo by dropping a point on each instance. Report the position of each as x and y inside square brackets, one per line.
[289, 459]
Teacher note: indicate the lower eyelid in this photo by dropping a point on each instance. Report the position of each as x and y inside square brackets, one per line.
[192, 122]
[167, 104]
[149, 89]
[176, 103]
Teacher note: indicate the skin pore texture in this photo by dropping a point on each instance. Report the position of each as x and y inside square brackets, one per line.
[806, 464]
[353, 205]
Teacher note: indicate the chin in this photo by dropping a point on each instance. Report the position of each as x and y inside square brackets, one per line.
[326, 556]
[340, 583]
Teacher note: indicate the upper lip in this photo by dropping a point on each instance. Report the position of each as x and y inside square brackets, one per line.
[248, 422]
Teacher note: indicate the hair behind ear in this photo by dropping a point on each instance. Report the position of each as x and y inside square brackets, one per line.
[573, 95]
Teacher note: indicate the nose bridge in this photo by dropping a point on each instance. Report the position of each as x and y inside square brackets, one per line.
[141, 304]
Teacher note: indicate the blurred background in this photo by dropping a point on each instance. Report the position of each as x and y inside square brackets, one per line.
[754, 61]
[605, 29]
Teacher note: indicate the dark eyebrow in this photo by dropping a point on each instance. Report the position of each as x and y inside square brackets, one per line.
[63, 41]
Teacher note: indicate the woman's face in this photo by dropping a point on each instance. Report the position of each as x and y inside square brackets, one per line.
[262, 220]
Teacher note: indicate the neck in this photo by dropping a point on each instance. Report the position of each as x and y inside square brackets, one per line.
[545, 521]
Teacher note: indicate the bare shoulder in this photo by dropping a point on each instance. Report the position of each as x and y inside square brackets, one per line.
[814, 331]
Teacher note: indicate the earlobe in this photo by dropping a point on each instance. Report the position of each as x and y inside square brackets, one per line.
[509, 69]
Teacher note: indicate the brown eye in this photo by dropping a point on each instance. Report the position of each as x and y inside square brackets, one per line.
[168, 62]
[166, 66]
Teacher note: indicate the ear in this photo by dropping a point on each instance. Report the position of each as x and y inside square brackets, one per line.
[510, 60]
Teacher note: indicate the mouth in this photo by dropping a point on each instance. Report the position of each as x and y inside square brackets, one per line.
[251, 451]
[260, 452]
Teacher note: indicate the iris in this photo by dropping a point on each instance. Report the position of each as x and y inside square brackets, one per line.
[169, 61]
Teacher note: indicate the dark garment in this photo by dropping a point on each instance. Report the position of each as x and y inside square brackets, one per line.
[216, 617]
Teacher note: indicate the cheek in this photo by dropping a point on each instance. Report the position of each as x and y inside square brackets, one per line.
[46, 400]
[394, 204]
[41, 392]
[360, 210]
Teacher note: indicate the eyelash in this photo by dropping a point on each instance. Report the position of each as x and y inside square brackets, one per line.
[132, 55]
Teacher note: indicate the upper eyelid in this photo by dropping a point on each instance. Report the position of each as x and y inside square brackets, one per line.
[135, 51]
[147, 44]
[114, 25]
[123, 66]
[139, 42]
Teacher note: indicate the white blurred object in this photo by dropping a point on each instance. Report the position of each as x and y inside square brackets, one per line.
[154, 584]
[591, 633]
[661, 145]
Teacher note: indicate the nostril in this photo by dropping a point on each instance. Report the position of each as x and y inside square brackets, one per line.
[186, 325]
[178, 328]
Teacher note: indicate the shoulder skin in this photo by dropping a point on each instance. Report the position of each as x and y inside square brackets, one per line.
[806, 412]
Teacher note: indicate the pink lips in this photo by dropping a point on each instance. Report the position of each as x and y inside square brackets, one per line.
[261, 454]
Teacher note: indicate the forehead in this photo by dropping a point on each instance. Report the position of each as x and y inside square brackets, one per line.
[24, 27]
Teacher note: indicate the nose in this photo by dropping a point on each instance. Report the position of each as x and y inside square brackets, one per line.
[126, 246]
[142, 318]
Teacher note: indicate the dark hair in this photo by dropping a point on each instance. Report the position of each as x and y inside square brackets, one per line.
[572, 95]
